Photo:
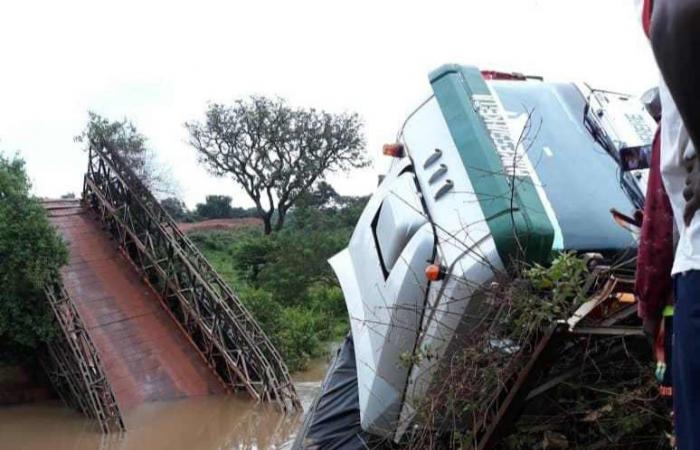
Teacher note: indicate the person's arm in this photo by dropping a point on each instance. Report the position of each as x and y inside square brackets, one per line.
[675, 38]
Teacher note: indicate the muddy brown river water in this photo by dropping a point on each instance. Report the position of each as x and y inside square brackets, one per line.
[206, 423]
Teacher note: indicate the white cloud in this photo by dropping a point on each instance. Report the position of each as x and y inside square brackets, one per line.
[159, 63]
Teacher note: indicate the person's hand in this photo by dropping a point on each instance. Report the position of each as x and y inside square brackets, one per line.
[691, 193]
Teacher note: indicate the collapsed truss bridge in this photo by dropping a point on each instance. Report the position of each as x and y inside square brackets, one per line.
[155, 320]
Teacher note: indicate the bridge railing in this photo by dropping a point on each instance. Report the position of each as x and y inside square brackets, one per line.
[74, 367]
[214, 318]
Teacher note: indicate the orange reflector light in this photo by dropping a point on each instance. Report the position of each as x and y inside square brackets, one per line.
[434, 272]
[395, 150]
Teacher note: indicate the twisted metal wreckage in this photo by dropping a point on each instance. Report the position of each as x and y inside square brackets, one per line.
[225, 334]
[462, 204]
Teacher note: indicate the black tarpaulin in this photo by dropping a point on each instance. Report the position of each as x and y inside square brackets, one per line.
[333, 421]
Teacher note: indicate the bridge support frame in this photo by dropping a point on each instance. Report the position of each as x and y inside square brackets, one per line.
[214, 318]
[74, 367]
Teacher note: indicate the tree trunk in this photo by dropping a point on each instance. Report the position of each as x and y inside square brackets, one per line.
[267, 224]
[265, 216]
[281, 214]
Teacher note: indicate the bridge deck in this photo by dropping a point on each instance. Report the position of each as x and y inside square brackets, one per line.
[146, 356]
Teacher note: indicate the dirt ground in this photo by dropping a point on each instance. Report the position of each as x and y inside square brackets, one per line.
[220, 224]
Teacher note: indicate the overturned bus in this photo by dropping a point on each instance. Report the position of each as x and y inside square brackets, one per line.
[491, 169]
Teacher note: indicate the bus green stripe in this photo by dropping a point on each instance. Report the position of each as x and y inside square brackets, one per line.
[516, 218]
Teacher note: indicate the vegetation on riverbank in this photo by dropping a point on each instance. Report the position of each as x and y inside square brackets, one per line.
[284, 277]
[31, 253]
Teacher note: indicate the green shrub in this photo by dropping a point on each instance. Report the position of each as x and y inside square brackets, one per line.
[328, 302]
[30, 254]
[266, 310]
[297, 337]
[252, 253]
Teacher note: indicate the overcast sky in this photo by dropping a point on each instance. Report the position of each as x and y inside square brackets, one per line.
[159, 63]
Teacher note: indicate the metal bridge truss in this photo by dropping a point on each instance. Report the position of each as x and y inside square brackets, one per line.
[74, 367]
[206, 308]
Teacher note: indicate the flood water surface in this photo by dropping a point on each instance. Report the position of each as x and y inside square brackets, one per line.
[222, 422]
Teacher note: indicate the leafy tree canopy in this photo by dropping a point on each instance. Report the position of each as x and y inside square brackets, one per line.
[276, 152]
[123, 137]
[215, 207]
[30, 254]
[176, 208]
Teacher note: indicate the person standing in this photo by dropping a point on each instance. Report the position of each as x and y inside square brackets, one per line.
[675, 38]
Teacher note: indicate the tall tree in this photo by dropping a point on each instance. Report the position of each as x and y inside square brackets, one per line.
[124, 137]
[215, 207]
[30, 254]
[176, 208]
[276, 152]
